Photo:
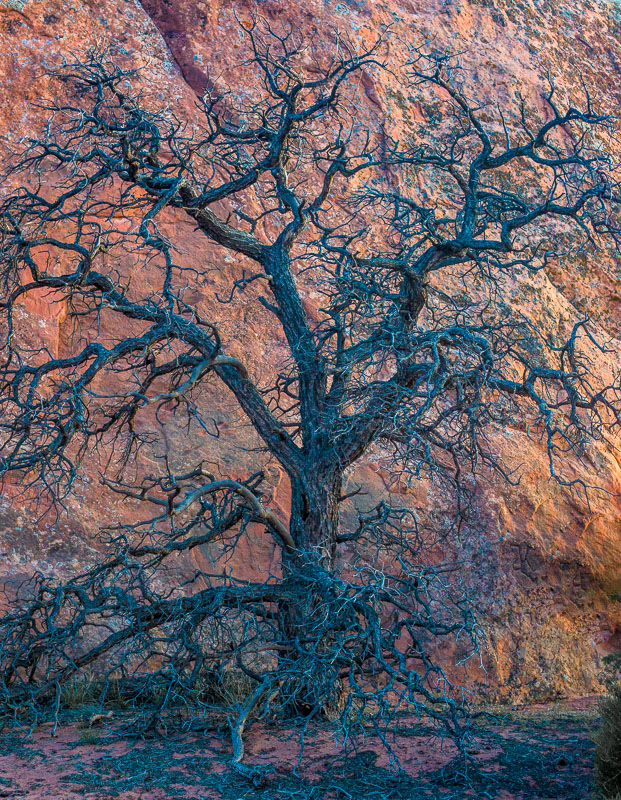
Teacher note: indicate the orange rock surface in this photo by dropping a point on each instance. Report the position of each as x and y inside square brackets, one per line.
[546, 565]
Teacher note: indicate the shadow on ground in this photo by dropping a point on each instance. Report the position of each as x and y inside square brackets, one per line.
[536, 754]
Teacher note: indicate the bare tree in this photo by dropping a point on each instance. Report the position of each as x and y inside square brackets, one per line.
[410, 348]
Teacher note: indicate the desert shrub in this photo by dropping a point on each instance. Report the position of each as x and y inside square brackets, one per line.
[611, 674]
[608, 746]
[89, 736]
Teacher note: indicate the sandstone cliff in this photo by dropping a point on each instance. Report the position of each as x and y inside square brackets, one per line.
[547, 566]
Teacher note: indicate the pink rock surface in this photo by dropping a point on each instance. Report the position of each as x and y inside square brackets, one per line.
[547, 563]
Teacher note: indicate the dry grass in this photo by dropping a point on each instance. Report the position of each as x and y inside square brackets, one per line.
[79, 693]
[229, 688]
[544, 715]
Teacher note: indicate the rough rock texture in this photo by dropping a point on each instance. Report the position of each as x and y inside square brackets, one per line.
[546, 566]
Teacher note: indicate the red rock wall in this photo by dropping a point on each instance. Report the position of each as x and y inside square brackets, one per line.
[546, 564]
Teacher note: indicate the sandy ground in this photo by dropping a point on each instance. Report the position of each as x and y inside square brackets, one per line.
[528, 754]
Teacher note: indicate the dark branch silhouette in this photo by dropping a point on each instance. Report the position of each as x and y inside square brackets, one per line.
[411, 347]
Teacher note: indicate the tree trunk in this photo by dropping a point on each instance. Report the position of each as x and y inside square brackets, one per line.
[315, 514]
[314, 527]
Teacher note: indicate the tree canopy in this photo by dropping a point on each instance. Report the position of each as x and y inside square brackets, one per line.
[380, 263]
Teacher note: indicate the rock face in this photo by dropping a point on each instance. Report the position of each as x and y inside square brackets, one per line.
[546, 565]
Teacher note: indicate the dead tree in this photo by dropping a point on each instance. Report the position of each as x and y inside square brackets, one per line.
[410, 348]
